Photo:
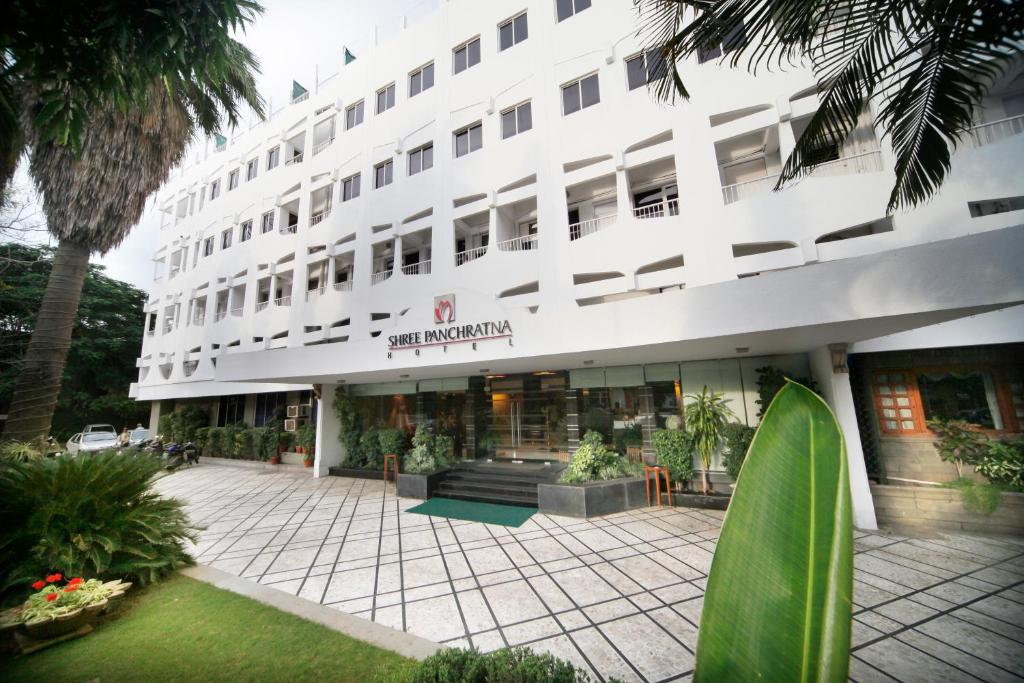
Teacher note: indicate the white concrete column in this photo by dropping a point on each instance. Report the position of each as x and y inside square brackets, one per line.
[623, 196]
[154, 417]
[329, 451]
[787, 140]
[835, 387]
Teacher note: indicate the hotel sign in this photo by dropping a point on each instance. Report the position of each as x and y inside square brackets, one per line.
[444, 313]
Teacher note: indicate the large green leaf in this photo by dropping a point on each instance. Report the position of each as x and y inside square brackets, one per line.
[777, 606]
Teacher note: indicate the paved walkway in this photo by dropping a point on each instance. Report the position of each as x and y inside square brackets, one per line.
[618, 595]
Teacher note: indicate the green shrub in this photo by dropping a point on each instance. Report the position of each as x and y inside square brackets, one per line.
[94, 516]
[230, 444]
[393, 441]
[215, 442]
[305, 436]
[959, 442]
[245, 446]
[632, 435]
[982, 499]
[20, 451]
[183, 424]
[369, 449]
[514, 665]
[444, 448]
[674, 449]
[770, 380]
[593, 461]
[1003, 463]
[737, 438]
[424, 456]
[165, 426]
[264, 443]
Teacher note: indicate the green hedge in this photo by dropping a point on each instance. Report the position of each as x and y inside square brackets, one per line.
[514, 665]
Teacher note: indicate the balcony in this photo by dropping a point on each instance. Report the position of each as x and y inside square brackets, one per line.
[294, 159]
[421, 268]
[189, 367]
[237, 311]
[289, 229]
[749, 188]
[301, 98]
[319, 217]
[321, 146]
[261, 305]
[988, 133]
[523, 243]
[468, 255]
[220, 315]
[380, 276]
[589, 227]
[315, 293]
[659, 210]
[199, 318]
[866, 162]
[343, 286]
[283, 301]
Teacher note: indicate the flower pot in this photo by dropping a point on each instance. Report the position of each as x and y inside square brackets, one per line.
[275, 460]
[307, 463]
[44, 629]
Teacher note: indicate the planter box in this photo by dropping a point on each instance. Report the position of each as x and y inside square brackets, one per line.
[931, 508]
[251, 464]
[592, 499]
[421, 486]
[699, 500]
[291, 458]
[354, 473]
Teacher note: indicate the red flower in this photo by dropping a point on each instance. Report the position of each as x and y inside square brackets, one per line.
[51, 597]
[53, 577]
[38, 585]
[76, 580]
[71, 587]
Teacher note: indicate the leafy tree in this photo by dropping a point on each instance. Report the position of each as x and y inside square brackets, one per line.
[94, 191]
[926, 64]
[104, 344]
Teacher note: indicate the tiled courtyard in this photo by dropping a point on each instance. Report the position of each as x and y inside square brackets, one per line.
[620, 595]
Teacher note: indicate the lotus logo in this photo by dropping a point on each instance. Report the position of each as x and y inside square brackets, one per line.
[444, 309]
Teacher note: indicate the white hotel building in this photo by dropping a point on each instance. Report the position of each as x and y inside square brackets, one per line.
[502, 165]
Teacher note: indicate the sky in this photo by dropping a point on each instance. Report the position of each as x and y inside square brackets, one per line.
[289, 39]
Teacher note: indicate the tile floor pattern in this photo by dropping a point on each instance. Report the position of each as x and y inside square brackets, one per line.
[620, 595]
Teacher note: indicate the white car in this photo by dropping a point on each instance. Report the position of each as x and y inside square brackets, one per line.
[99, 428]
[91, 442]
[137, 436]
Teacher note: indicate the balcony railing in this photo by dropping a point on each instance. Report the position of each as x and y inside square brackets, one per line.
[260, 305]
[294, 159]
[314, 293]
[199, 318]
[749, 188]
[987, 133]
[317, 218]
[523, 243]
[380, 276]
[220, 315]
[283, 301]
[345, 286]
[289, 229]
[321, 146]
[865, 162]
[469, 255]
[237, 311]
[589, 227]
[301, 98]
[659, 210]
[421, 268]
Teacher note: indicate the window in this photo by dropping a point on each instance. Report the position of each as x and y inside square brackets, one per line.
[208, 246]
[232, 410]
[580, 94]
[517, 119]
[214, 189]
[736, 39]
[269, 406]
[273, 157]
[250, 170]
[233, 180]
[644, 68]
[350, 188]
[245, 232]
[354, 114]
[466, 55]
[267, 222]
[385, 98]
[421, 79]
[567, 8]
[382, 173]
[225, 239]
[468, 139]
[512, 32]
[421, 159]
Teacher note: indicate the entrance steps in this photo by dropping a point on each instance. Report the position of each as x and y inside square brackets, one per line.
[504, 483]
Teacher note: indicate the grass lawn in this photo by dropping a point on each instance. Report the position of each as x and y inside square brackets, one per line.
[185, 630]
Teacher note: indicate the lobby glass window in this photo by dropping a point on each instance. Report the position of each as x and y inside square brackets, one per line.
[245, 231]
[232, 410]
[468, 139]
[567, 8]
[266, 222]
[273, 157]
[250, 170]
[383, 173]
[354, 114]
[350, 188]
[269, 406]
[233, 180]
[512, 32]
[385, 98]
[225, 239]
[736, 39]
[580, 94]
[421, 79]
[960, 395]
[668, 404]
[421, 159]
[611, 411]
[466, 55]
[208, 246]
[214, 189]
[517, 119]
[644, 68]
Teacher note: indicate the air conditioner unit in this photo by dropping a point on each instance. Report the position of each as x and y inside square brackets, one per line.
[291, 425]
[298, 411]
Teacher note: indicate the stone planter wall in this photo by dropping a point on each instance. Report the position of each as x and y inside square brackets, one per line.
[357, 474]
[251, 464]
[420, 486]
[939, 508]
[592, 499]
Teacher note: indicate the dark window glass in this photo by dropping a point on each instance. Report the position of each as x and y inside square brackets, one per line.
[350, 188]
[522, 33]
[267, 222]
[706, 54]
[571, 98]
[428, 76]
[524, 114]
[508, 123]
[354, 115]
[505, 36]
[591, 93]
[474, 53]
[459, 60]
[269, 406]
[960, 395]
[736, 38]
[272, 157]
[246, 231]
[232, 410]
[636, 72]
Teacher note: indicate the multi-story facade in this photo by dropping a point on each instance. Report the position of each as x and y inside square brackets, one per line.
[489, 220]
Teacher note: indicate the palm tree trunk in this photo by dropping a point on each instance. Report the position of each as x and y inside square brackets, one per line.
[42, 368]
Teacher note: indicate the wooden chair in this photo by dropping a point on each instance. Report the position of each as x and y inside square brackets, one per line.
[658, 472]
[393, 459]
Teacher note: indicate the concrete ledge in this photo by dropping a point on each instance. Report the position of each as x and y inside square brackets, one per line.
[420, 486]
[942, 508]
[250, 464]
[592, 499]
[353, 473]
[405, 644]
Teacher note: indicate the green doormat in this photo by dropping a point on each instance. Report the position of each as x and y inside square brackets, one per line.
[488, 513]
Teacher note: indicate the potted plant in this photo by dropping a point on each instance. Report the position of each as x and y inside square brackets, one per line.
[706, 417]
[54, 610]
[306, 440]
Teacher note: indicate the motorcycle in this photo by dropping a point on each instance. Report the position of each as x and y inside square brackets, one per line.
[177, 454]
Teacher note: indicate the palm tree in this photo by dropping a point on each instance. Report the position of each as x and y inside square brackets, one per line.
[926, 64]
[94, 194]
[706, 415]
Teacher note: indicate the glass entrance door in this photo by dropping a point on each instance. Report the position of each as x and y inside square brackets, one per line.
[527, 416]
